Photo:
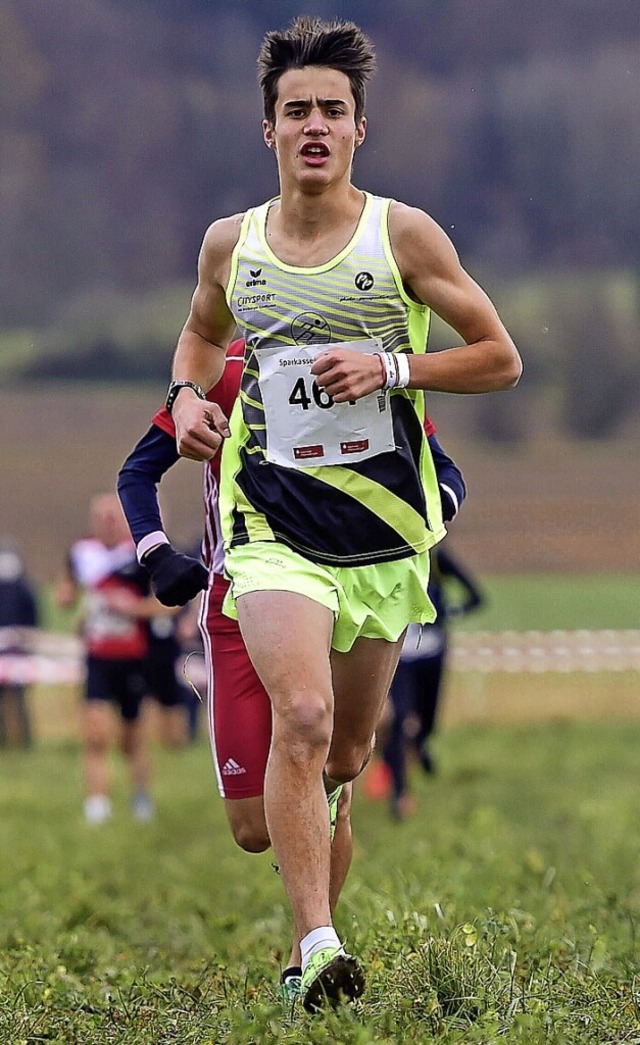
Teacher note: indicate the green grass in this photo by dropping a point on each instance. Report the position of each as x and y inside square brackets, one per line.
[541, 602]
[505, 911]
[546, 602]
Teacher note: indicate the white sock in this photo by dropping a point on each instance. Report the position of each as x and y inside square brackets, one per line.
[97, 809]
[317, 940]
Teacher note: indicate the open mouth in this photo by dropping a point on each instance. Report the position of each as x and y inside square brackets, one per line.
[314, 151]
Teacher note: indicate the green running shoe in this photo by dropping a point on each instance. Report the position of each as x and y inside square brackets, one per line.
[291, 984]
[331, 977]
[333, 799]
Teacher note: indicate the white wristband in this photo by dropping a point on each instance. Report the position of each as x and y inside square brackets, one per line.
[152, 540]
[396, 367]
[390, 369]
[404, 373]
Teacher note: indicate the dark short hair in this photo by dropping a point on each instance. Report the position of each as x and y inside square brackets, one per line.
[310, 41]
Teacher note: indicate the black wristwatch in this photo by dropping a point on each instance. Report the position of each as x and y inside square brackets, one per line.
[175, 387]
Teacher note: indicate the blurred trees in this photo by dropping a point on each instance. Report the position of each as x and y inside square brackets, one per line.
[127, 125]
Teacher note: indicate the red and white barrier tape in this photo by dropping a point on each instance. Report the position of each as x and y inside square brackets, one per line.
[59, 659]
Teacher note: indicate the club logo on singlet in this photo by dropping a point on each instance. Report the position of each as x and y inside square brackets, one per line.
[310, 329]
[364, 281]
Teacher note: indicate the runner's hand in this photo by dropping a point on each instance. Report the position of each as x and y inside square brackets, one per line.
[200, 425]
[175, 578]
[347, 375]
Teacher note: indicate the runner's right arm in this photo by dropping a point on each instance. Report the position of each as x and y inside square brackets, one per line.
[200, 353]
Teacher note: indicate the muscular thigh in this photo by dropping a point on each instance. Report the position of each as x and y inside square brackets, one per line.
[286, 606]
[288, 637]
[361, 681]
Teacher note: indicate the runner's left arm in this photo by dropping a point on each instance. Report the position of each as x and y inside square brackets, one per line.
[175, 578]
[451, 482]
[487, 359]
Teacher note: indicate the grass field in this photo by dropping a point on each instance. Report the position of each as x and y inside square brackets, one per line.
[520, 602]
[506, 910]
[546, 601]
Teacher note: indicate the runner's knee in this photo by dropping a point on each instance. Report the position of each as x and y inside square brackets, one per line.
[347, 765]
[303, 726]
[96, 745]
[248, 824]
[253, 838]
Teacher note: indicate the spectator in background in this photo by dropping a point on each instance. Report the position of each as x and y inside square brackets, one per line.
[161, 670]
[18, 617]
[103, 572]
[417, 684]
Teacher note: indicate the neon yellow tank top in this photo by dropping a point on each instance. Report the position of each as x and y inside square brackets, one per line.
[382, 508]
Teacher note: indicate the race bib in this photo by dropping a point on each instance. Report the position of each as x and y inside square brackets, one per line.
[304, 426]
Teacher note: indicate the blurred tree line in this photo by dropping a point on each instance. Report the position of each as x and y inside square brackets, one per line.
[127, 125]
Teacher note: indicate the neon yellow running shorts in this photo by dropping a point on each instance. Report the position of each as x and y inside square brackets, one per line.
[373, 602]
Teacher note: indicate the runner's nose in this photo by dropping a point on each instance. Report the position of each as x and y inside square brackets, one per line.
[315, 123]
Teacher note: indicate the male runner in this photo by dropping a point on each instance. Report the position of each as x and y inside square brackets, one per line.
[329, 497]
[239, 710]
[102, 572]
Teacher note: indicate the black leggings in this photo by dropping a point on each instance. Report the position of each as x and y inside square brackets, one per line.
[414, 693]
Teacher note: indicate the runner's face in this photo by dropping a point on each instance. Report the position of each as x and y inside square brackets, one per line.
[315, 131]
[107, 521]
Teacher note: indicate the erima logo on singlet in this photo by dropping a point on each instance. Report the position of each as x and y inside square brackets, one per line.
[255, 281]
[310, 329]
[364, 281]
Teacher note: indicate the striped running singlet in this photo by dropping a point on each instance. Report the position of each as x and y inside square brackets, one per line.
[367, 509]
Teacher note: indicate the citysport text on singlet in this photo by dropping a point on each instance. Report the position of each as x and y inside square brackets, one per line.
[346, 484]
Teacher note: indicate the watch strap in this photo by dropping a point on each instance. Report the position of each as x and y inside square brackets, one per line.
[175, 387]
